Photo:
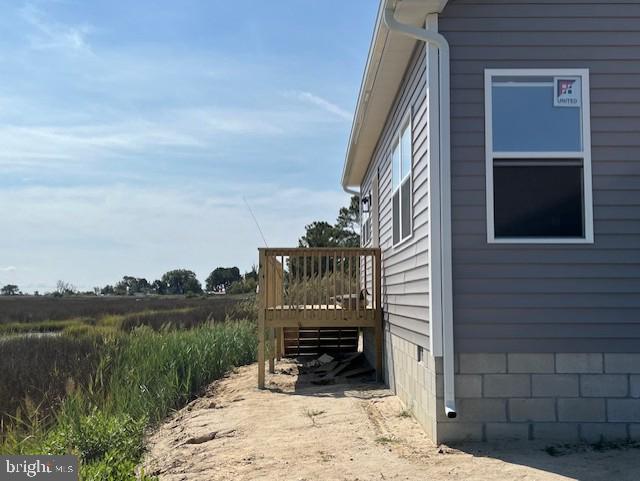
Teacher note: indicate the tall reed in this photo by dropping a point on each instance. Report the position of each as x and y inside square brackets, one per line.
[136, 385]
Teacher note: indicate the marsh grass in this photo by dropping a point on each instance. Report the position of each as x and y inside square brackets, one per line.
[38, 372]
[319, 288]
[35, 309]
[137, 380]
[44, 326]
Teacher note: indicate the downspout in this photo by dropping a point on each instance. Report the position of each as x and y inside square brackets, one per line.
[436, 39]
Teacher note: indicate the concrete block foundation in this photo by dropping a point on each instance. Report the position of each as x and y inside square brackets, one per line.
[563, 397]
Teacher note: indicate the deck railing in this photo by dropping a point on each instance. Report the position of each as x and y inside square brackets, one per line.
[318, 287]
[321, 284]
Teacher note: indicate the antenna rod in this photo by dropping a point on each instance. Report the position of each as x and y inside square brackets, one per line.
[255, 220]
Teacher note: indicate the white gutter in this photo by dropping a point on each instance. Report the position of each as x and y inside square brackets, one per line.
[436, 39]
[350, 191]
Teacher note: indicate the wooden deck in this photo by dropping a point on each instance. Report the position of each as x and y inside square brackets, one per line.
[316, 288]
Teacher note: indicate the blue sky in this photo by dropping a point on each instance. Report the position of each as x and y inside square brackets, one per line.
[131, 131]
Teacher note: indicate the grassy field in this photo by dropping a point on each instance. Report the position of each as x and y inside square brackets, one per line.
[92, 388]
[42, 310]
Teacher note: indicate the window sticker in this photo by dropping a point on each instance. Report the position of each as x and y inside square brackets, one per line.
[567, 92]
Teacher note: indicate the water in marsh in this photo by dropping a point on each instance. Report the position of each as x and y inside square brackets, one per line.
[28, 335]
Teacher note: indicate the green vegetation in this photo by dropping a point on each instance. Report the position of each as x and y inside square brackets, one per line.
[387, 440]
[9, 290]
[92, 385]
[92, 309]
[344, 233]
[125, 384]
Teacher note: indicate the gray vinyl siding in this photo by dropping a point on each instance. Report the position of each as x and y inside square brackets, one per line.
[533, 298]
[405, 268]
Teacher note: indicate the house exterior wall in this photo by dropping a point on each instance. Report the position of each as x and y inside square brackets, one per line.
[567, 397]
[413, 380]
[547, 336]
[405, 282]
[548, 298]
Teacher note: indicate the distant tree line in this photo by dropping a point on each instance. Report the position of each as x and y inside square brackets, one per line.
[175, 282]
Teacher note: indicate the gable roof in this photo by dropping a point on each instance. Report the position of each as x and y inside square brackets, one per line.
[389, 55]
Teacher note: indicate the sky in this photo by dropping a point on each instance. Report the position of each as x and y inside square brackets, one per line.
[131, 132]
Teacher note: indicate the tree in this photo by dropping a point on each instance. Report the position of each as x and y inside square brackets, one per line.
[343, 234]
[349, 217]
[242, 287]
[108, 290]
[10, 290]
[65, 289]
[158, 287]
[252, 274]
[322, 234]
[130, 285]
[181, 282]
[221, 278]
[319, 234]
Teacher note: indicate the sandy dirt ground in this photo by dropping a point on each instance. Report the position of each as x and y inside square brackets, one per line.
[356, 432]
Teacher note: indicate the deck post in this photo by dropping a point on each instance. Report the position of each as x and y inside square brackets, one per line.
[278, 343]
[272, 351]
[378, 314]
[262, 265]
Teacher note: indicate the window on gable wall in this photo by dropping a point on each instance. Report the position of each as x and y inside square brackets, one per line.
[402, 161]
[538, 156]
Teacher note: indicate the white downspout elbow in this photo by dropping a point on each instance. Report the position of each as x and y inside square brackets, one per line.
[444, 116]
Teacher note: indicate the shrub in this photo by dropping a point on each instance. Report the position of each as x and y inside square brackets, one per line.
[245, 286]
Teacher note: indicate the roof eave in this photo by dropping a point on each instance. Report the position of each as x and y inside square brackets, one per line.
[389, 55]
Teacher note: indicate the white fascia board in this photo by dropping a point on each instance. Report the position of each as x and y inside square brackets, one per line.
[389, 55]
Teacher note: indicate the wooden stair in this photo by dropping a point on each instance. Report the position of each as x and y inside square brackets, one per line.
[310, 342]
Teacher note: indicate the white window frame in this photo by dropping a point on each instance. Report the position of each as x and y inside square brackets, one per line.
[407, 123]
[585, 154]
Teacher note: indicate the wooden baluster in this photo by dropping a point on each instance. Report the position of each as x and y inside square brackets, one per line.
[285, 313]
[358, 274]
[335, 283]
[366, 284]
[316, 283]
[282, 286]
[349, 279]
[261, 312]
[320, 282]
[271, 261]
[342, 283]
[327, 281]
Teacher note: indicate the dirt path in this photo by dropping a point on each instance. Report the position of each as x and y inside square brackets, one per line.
[299, 432]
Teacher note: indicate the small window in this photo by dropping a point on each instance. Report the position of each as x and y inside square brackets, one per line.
[402, 161]
[538, 156]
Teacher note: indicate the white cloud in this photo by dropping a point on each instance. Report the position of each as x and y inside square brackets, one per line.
[205, 129]
[8, 269]
[95, 235]
[322, 103]
[51, 35]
